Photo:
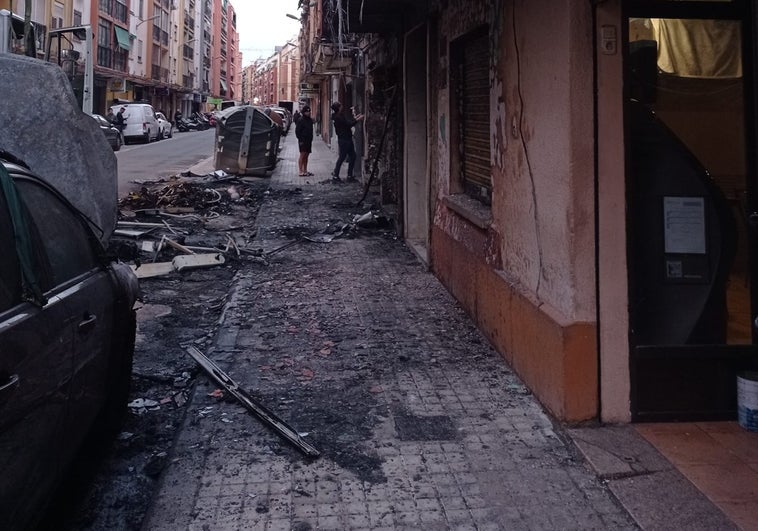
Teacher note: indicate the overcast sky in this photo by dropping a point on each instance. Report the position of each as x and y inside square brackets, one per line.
[263, 24]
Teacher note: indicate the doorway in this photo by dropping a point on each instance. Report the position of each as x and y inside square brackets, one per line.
[690, 128]
[416, 178]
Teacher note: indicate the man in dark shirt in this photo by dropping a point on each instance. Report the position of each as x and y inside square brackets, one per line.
[343, 127]
[119, 121]
[304, 134]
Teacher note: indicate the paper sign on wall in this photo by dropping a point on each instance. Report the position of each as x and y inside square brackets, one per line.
[684, 225]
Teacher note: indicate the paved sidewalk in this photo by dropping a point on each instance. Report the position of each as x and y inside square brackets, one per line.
[421, 425]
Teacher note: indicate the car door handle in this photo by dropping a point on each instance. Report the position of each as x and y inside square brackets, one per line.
[87, 324]
[8, 387]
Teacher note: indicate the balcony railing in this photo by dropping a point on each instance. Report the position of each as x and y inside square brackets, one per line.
[159, 74]
[113, 59]
[114, 8]
[160, 36]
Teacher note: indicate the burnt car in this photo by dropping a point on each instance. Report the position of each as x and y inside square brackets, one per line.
[111, 132]
[67, 329]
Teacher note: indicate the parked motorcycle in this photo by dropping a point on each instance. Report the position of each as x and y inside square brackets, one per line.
[201, 120]
[185, 124]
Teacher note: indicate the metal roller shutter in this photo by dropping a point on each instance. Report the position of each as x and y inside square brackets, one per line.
[476, 112]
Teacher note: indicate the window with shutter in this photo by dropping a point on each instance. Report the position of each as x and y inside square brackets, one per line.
[469, 70]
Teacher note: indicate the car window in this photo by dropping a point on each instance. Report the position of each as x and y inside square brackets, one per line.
[10, 271]
[69, 250]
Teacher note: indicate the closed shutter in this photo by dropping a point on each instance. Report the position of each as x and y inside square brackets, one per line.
[475, 93]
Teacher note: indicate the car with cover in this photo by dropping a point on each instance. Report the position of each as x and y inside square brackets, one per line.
[67, 321]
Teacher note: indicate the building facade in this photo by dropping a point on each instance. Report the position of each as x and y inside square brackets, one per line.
[577, 174]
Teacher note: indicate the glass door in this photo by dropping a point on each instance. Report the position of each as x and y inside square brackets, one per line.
[689, 121]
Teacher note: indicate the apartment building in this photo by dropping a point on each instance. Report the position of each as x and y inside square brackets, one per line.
[178, 55]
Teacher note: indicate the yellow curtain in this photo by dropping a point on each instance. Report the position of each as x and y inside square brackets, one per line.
[699, 48]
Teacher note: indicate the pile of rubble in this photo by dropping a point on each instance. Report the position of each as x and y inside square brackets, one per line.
[187, 222]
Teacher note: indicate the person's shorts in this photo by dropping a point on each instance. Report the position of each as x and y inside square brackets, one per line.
[305, 147]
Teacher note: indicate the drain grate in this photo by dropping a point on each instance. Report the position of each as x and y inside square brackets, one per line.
[416, 428]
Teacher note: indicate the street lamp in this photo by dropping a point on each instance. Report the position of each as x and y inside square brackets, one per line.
[146, 20]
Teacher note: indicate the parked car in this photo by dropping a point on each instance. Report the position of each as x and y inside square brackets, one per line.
[67, 329]
[141, 123]
[286, 119]
[165, 127]
[112, 134]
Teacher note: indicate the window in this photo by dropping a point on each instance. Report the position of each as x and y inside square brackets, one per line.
[77, 18]
[62, 234]
[119, 11]
[10, 273]
[104, 31]
[470, 114]
[56, 21]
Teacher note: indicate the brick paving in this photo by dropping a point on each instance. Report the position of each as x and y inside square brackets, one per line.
[420, 423]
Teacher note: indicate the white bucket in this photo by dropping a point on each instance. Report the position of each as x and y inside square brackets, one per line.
[747, 400]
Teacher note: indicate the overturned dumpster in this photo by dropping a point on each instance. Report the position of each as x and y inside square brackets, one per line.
[247, 141]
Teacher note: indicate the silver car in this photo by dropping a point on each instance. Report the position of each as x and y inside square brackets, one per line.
[165, 127]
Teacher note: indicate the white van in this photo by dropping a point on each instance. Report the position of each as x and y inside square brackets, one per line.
[141, 122]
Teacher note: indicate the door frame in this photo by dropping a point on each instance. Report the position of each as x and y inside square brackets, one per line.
[416, 190]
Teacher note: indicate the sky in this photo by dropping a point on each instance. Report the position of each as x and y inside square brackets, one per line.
[263, 24]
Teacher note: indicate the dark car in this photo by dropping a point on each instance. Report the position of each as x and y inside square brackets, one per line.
[112, 134]
[67, 329]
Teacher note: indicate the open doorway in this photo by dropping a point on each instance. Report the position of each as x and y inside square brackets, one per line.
[416, 178]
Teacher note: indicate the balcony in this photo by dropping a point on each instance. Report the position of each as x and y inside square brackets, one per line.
[159, 74]
[113, 59]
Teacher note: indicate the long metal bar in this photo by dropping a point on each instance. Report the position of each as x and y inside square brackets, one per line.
[268, 417]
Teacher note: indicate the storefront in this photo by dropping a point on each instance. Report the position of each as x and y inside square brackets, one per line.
[679, 293]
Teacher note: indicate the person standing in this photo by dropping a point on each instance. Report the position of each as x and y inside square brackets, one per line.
[304, 134]
[119, 121]
[110, 116]
[343, 127]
